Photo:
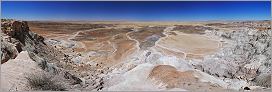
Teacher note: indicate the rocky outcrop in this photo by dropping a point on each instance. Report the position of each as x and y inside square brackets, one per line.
[246, 56]
[8, 51]
[17, 37]
[10, 47]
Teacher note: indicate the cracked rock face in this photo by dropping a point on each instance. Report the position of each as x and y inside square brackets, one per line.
[8, 51]
[247, 57]
[11, 39]
[17, 37]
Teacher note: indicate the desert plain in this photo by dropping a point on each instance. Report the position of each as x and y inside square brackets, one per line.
[142, 56]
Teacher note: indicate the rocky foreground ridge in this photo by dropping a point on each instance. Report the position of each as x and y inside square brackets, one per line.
[16, 37]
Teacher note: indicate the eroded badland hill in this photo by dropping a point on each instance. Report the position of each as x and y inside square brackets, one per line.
[136, 56]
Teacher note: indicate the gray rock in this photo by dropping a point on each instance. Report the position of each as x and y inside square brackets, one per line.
[247, 56]
[17, 37]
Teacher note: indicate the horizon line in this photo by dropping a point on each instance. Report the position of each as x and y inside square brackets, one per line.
[64, 20]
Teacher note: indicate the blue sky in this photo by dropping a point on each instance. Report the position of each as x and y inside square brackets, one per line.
[137, 11]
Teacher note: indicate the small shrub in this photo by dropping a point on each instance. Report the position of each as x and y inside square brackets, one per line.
[263, 80]
[43, 82]
[43, 64]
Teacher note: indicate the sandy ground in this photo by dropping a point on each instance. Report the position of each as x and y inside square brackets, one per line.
[169, 75]
[120, 47]
[192, 45]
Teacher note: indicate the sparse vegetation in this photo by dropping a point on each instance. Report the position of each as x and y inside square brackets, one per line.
[263, 80]
[4, 20]
[5, 24]
[43, 82]
[43, 64]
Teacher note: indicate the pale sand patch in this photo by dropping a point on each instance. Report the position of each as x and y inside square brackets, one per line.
[192, 44]
[135, 80]
[13, 72]
[168, 52]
